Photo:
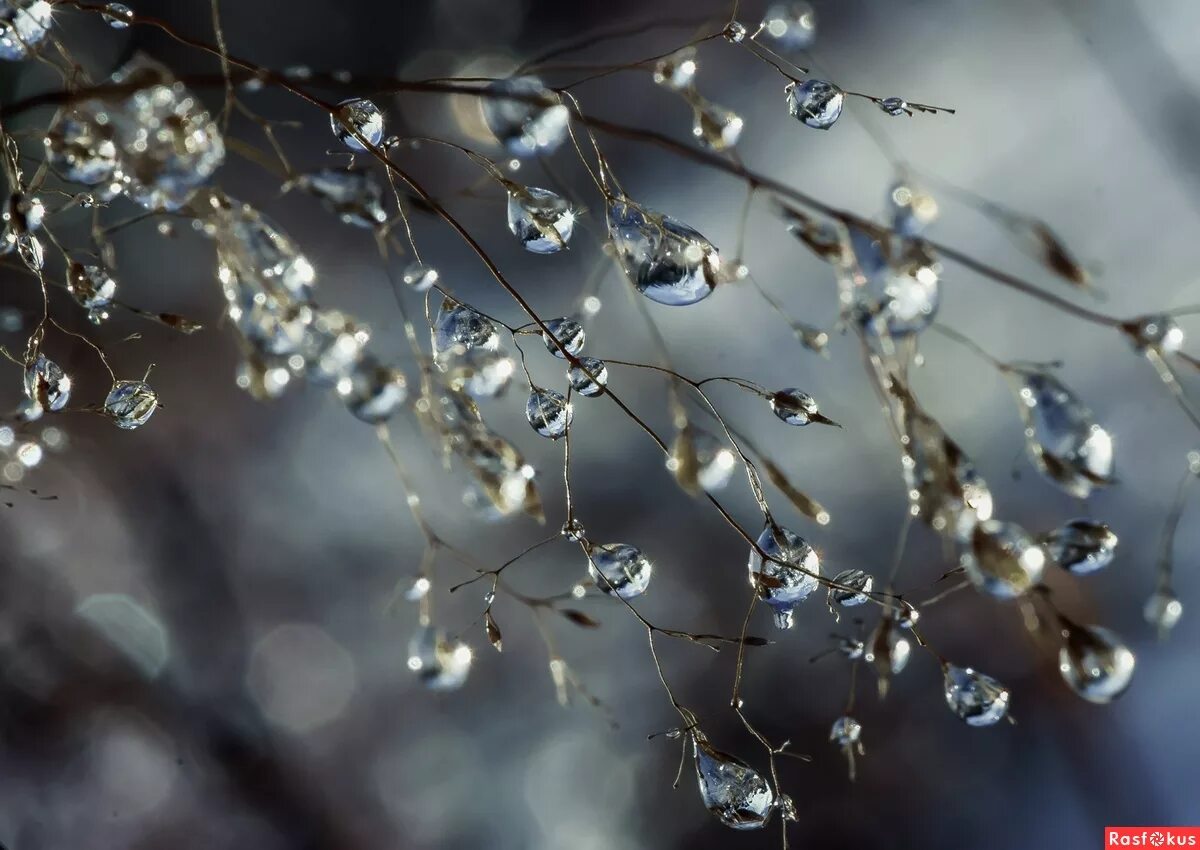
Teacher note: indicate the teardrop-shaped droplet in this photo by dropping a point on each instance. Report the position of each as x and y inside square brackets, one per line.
[816, 103]
[363, 117]
[788, 575]
[845, 732]
[894, 106]
[792, 26]
[730, 788]
[372, 391]
[118, 15]
[1163, 611]
[419, 277]
[715, 127]
[23, 27]
[910, 209]
[1063, 440]
[588, 378]
[666, 260]
[458, 328]
[890, 285]
[888, 651]
[548, 412]
[1095, 663]
[568, 332]
[678, 70]
[542, 220]
[534, 124]
[481, 372]
[1003, 561]
[796, 407]
[502, 473]
[257, 259]
[130, 404]
[977, 699]
[856, 584]
[700, 461]
[619, 569]
[47, 384]
[1081, 546]
[440, 664]
[332, 347]
[81, 150]
[93, 288]
[354, 195]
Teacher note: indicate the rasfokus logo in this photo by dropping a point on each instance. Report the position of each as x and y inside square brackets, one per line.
[1152, 836]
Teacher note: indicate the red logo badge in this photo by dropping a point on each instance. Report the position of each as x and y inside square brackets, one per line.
[1151, 836]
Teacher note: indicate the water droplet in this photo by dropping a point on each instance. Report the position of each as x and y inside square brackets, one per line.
[715, 127]
[619, 569]
[889, 651]
[573, 530]
[118, 15]
[354, 195]
[852, 648]
[418, 588]
[678, 70]
[420, 277]
[332, 346]
[47, 384]
[911, 210]
[1163, 610]
[894, 106]
[1063, 440]
[1003, 561]
[440, 664]
[93, 287]
[535, 124]
[481, 372]
[458, 328]
[730, 788]
[568, 332]
[846, 732]
[700, 461]
[130, 404]
[735, 33]
[861, 582]
[792, 26]
[789, 574]
[81, 151]
[796, 407]
[23, 27]
[1157, 332]
[363, 117]
[548, 412]
[1095, 663]
[588, 378]
[816, 103]
[373, 392]
[1081, 546]
[542, 220]
[666, 260]
[890, 285]
[977, 699]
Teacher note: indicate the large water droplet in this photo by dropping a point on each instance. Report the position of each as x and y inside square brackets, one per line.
[1066, 444]
[130, 404]
[354, 195]
[23, 27]
[1095, 663]
[816, 103]
[619, 569]
[859, 584]
[363, 117]
[458, 328]
[730, 788]
[588, 378]
[440, 664]
[890, 286]
[789, 573]
[568, 332]
[666, 260]
[1081, 546]
[373, 392]
[700, 461]
[93, 288]
[678, 70]
[81, 151]
[534, 124]
[548, 412]
[910, 209]
[977, 699]
[47, 384]
[715, 127]
[542, 220]
[796, 407]
[1003, 561]
[481, 372]
[118, 15]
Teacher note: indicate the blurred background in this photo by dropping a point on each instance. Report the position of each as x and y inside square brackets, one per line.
[194, 646]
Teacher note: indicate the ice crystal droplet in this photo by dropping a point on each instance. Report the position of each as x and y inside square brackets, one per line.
[420, 277]
[910, 209]
[860, 582]
[700, 461]
[894, 106]
[440, 664]
[792, 26]
[549, 413]
[23, 27]
[81, 151]
[619, 569]
[534, 122]
[363, 117]
[93, 287]
[458, 328]
[1063, 440]
[789, 573]
[568, 332]
[1163, 611]
[978, 700]
[167, 143]
[890, 286]
[354, 195]
[130, 404]
[542, 220]
[480, 372]
[730, 788]
[816, 103]
[678, 70]
[796, 407]
[373, 392]
[715, 127]
[118, 15]
[47, 384]
[735, 33]
[1003, 560]
[1156, 332]
[1095, 663]
[1081, 546]
[589, 377]
[666, 260]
